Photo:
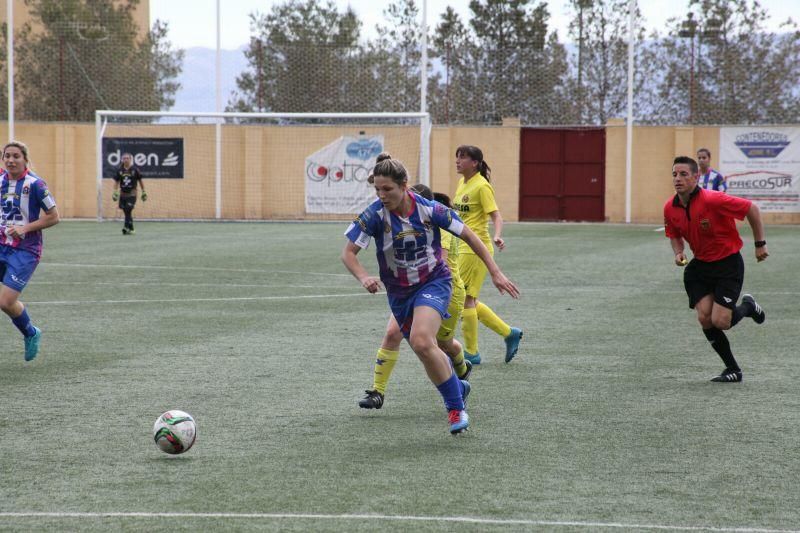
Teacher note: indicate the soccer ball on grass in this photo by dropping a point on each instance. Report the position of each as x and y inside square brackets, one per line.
[174, 432]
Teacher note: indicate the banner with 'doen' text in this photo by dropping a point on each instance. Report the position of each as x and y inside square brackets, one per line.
[762, 164]
[336, 175]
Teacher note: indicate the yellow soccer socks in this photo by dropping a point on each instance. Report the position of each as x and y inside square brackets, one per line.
[384, 364]
[459, 365]
[491, 321]
[469, 328]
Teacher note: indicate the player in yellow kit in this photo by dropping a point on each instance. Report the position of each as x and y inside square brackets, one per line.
[475, 204]
[390, 347]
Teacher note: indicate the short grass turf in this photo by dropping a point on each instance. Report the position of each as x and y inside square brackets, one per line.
[606, 416]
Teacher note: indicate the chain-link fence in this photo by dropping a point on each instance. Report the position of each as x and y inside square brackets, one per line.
[713, 62]
[75, 56]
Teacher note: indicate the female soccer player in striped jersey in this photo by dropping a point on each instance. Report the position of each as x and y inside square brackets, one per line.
[405, 228]
[27, 209]
[445, 337]
[474, 202]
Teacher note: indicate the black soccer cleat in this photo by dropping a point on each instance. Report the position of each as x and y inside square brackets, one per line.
[757, 314]
[729, 376]
[465, 375]
[373, 400]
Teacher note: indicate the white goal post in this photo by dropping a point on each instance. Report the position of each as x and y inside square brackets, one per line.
[263, 169]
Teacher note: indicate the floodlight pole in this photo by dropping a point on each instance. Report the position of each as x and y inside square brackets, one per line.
[98, 147]
[425, 129]
[423, 62]
[10, 55]
[218, 125]
[629, 122]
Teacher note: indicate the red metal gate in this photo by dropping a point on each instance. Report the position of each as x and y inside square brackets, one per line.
[562, 174]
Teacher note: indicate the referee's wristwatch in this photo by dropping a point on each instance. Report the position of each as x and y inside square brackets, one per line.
[759, 244]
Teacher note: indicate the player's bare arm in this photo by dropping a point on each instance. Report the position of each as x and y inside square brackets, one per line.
[678, 250]
[497, 223]
[353, 265]
[47, 219]
[754, 219]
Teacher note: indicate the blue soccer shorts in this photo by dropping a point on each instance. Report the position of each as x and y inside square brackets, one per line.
[433, 293]
[16, 267]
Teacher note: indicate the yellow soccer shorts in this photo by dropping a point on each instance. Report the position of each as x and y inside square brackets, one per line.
[472, 271]
[448, 328]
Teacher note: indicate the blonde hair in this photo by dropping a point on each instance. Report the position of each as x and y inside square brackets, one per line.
[17, 144]
[22, 148]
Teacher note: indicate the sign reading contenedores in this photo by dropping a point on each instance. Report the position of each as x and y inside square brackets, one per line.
[155, 157]
[762, 164]
[336, 175]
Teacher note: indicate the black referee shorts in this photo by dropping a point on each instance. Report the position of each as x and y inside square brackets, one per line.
[127, 202]
[721, 278]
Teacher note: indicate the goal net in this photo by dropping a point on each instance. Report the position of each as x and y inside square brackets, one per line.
[255, 166]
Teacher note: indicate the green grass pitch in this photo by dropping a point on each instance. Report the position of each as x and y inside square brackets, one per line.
[606, 419]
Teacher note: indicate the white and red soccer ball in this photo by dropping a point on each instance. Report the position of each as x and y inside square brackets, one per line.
[174, 432]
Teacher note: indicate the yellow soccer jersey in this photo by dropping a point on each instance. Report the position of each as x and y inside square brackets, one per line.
[450, 244]
[473, 202]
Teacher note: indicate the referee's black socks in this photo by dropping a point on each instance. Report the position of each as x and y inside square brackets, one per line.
[719, 341]
[740, 311]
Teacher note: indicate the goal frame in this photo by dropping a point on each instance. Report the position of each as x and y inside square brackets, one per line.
[101, 121]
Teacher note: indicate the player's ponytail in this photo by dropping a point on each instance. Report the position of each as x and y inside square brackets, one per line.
[485, 170]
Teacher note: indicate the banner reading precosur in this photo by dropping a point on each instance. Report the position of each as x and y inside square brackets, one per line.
[156, 158]
[762, 164]
[336, 175]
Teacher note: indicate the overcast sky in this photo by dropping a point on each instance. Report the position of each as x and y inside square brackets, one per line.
[192, 22]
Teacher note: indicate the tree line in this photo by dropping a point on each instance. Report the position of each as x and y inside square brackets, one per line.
[716, 66]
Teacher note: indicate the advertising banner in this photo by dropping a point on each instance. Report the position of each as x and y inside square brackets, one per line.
[155, 158]
[336, 175]
[762, 164]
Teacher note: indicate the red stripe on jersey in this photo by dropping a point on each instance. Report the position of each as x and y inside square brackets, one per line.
[402, 277]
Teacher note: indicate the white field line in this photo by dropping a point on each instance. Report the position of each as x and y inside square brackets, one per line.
[208, 269]
[267, 271]
[604, 288]
[399, 518]
[188, 300]
[185, 284]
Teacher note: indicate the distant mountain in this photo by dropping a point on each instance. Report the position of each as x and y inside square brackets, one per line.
[198, 78]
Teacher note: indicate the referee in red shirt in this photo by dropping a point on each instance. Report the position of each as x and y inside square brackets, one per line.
[713, 278]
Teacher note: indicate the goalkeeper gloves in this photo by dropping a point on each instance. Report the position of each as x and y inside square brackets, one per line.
[115, 195]
[144, 196]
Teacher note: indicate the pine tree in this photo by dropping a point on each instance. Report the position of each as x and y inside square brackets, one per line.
[720, 66]
[599, 78]
[86, 55]
[304, 57]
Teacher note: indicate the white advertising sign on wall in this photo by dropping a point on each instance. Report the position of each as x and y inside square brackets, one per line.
[336, 175]
[762, 164]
